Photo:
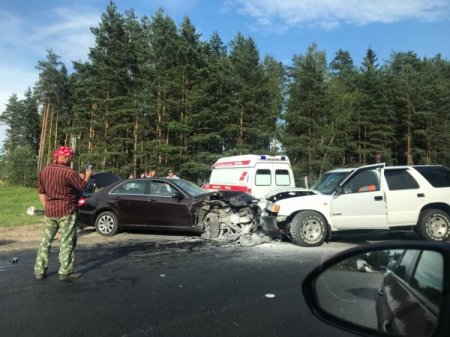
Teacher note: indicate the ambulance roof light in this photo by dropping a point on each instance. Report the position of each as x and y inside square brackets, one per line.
[264, 157]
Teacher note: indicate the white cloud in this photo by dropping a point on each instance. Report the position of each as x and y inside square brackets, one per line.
[64, 30]
[69, 35]
[284, 14]
[25, 40]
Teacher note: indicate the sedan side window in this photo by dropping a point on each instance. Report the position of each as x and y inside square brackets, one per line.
[406, 264]
[130, 187]
[160, 189]
[428, 277]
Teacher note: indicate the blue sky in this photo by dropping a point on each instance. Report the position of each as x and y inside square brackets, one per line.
[281, 28]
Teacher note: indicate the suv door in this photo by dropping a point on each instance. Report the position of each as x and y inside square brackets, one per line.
[405, 197]
[360, 201]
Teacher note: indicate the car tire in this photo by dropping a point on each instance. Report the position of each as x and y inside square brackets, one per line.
[308, 229]
[434, 225]
[107, 224]
[211, 226]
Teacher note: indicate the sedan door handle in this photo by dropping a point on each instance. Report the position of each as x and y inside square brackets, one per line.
[381, 292]
[421, 195]
[378, 198]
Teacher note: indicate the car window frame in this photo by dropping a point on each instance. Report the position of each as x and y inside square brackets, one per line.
[153, 183]
[410, 179]
[429, 173]
[411, 266]
[421, 297]
[347, 187]
[262, 172]
[129, 181]
[282, 172]
[406, 282]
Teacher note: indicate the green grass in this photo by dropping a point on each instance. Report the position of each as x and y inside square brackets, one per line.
[14, 201]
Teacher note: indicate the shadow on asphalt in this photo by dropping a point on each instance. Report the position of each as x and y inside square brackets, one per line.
[351, 236]
[365, 293]
[7, 242]
[90, 230]
[92, 258]
[362, 237]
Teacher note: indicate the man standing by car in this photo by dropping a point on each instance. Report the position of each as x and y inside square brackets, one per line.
[58, 187]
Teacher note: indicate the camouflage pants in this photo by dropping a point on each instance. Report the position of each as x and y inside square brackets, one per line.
[67, 226]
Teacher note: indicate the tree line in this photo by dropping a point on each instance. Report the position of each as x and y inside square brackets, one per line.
[154, 95]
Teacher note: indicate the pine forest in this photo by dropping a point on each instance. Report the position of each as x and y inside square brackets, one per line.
[154, 95]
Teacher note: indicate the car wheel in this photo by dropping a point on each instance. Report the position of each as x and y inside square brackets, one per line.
[106, 224]
[308, 229]
[434, 225]
[211, 226]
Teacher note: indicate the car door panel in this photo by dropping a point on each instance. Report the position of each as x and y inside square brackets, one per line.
[406, 197]
[164, 210]
[350, 211]
[361, 203]
[129, 201]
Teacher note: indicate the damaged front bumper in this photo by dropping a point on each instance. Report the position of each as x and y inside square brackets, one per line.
[269, 225]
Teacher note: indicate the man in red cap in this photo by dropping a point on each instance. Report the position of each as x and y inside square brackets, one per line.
[58, 187]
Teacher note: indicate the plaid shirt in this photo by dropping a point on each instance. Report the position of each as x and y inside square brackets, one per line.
[61, 185]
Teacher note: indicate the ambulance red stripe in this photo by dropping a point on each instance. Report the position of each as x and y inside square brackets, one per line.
[226, 188]
[243, 175]
[232, 163]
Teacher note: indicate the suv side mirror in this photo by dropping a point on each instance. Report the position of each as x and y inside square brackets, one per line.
[339, 190]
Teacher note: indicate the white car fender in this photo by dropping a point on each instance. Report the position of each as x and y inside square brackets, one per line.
[319, 203]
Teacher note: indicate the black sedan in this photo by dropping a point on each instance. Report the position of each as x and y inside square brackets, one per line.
[170, 204]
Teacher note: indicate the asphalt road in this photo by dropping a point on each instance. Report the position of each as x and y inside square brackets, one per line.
[184, 286]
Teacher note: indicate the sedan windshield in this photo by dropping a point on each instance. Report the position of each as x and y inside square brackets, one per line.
[188, 187]
[326, 183]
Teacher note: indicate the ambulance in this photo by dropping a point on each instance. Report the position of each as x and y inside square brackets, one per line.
[253, 174]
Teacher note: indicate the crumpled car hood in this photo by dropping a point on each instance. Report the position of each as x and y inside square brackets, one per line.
[288, 192]
[234, 198]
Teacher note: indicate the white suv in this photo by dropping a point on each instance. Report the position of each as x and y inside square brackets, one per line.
[370, 197]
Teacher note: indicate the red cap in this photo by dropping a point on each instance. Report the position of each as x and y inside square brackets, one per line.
[62, 151]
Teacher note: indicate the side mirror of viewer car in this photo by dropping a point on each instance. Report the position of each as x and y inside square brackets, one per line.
[409, 298]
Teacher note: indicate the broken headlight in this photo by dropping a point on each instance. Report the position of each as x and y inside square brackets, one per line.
[272, 207]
